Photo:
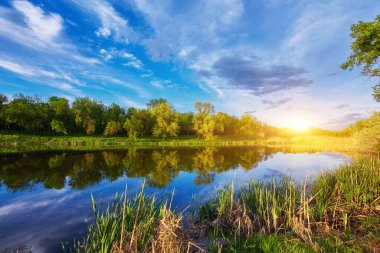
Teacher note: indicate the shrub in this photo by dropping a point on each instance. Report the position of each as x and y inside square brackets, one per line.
[113, 128]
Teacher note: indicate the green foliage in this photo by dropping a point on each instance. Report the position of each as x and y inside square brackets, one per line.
[367, 135]
[204, 123]
[88, 114]
[58, 126]
[115, 112]
[264, 244]
[359, 182]
[186, 125]
[249, 126]
[366, 50]
[110, 220]
[323, 188]
[154, 102]
[272, 216]
[225, 124]
[3, 101]
[139, 123]
[112, 128]
[166, 120]
[26, 112]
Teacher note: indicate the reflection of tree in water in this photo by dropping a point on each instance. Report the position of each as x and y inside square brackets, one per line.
[22, 171]
[113, 165]
[165, 168]
[251, 158]
[51, 169]
[86, 171]
[56, 161]
[137, 162]
[55, 179]
[204, 162]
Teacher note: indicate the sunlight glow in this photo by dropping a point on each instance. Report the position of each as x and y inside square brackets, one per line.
[300, 125]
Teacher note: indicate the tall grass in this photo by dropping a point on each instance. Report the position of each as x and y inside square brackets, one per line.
[335, 202]
[125, 223]
[339, 211]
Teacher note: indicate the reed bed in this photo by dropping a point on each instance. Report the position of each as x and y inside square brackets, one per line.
[338, 211]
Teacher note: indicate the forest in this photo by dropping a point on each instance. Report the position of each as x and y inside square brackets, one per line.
[86, 116]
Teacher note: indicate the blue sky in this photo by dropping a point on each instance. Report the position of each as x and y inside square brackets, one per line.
[278, 59]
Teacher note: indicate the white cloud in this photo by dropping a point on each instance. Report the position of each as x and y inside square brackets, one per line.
[25, 70]
[137, 64]
[34, 29]
[49, 78]
[316, 27]
[107, 80]
[113, 53]
[157, 84]
[103, 32]
[176, 36]
[46, 27]
[70, 89]
[111, 22]
[128, 56]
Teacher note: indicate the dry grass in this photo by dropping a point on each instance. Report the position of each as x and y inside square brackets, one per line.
[342, 204]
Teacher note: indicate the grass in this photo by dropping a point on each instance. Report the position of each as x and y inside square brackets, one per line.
[339, 211]
[27, 142]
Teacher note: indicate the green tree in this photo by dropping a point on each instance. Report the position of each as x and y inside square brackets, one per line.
[3, 102]
[249, 126]
[112, 128]
[186, 125]
[166, 120]
[27, 113]
[154, 102]
[88, 114]
[116, 113]
[139, 123]
[366, 51]
[225, 124]
[58, 126]
[60, 112]
[203, 120]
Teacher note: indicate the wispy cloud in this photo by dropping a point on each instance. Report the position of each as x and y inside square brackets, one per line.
[112, 24]
[157, 84]
[342, 106]
[275, 104]
[25, 70]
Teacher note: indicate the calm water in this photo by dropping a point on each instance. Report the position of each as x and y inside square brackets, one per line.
[45, 196]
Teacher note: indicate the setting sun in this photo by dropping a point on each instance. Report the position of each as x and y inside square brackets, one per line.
[299, 125]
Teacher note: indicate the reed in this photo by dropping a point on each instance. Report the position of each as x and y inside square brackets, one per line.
[338, 211]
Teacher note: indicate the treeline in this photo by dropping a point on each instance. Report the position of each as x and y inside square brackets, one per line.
[88, 116]
[31, 114]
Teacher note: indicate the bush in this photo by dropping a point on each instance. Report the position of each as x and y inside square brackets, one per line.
[112, 128]
[58, 126]
[367, 139]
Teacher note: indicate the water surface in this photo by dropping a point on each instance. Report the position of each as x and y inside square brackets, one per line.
[45, 196]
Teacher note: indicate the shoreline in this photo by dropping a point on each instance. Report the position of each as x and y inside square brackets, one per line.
[325, 215]
[13, 143]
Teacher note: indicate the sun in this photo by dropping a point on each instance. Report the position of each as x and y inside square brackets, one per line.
[299, 125]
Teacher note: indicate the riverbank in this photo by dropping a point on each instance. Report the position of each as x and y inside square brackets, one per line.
[339, 211]
[23, 143]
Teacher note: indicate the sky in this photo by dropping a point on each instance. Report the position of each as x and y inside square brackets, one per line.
[276, 59]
